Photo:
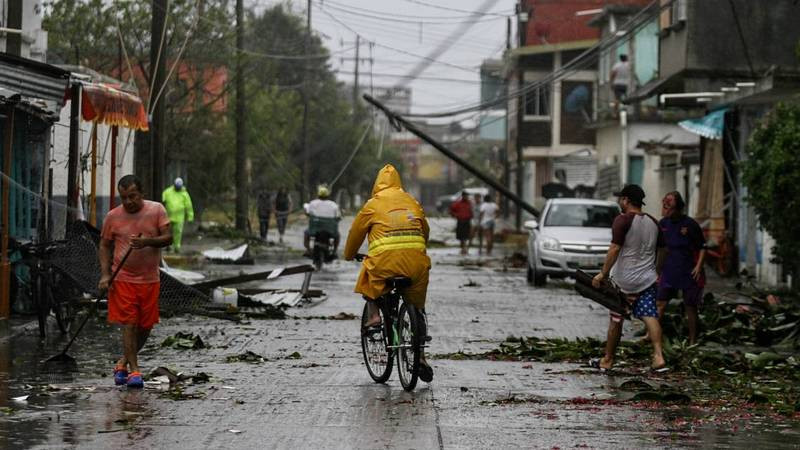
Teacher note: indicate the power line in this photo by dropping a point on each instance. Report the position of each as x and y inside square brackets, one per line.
[445, 8]
[392, 14]
[334, 18]
[583, 60]
[396, 19]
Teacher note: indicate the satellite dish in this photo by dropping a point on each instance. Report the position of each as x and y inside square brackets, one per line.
[578, 100]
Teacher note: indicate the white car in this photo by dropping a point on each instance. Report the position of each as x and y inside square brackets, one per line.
[574, 233]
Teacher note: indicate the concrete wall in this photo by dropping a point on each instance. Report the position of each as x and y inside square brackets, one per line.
[656, 183]
[60, 155]
[770, 31]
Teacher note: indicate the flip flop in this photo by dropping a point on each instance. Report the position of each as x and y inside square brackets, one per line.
[594, 363]
[659, 369]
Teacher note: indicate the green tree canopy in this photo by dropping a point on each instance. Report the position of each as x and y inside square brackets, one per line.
[771, 174]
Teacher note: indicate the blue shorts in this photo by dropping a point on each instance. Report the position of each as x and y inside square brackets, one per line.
[643, 306]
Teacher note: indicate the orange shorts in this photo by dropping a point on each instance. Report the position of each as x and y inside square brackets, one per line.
[133, 303]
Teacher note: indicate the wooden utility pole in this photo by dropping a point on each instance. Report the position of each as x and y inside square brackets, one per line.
[74, 152]
[355, 81]
[5, 263]
[305, 191]
[506, 165]
[241, 136]
[158, 58]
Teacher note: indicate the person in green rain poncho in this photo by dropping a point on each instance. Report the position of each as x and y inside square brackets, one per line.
[179, 209]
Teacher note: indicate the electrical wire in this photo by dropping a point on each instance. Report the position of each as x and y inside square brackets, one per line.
[397, 19]
[641, 19]
[334, 18]
[445, 8]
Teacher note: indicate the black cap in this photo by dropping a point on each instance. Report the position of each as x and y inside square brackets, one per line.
[632, 191]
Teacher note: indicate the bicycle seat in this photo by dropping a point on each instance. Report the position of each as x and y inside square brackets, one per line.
[398, 282]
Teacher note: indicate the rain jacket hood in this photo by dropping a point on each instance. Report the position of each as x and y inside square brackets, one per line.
[387, 178]
[395, 226]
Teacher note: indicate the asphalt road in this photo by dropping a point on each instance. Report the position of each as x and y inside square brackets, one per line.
[322, 397]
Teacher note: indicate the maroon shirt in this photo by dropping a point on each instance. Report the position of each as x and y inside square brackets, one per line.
[461, 209]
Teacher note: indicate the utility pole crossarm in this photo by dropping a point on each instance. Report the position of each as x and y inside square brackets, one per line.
[397, 122]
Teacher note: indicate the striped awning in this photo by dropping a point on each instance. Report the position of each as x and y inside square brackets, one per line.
[708, 126]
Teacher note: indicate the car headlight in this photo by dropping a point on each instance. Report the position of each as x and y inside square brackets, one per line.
[549, 243]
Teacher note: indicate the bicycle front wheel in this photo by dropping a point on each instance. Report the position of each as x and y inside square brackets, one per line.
[410, 335]
[61, 299]
[374, 341]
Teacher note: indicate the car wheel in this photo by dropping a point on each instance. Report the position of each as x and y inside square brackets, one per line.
[536, 279]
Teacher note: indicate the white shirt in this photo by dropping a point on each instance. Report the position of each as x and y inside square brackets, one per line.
[323, 208]
[623, 73]
[489, 211]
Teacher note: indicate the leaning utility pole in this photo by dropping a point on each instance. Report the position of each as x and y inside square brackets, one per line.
[241, 136]
[158, 60]
[305, 192]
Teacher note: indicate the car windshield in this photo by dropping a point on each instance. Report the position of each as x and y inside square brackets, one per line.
[577, 215]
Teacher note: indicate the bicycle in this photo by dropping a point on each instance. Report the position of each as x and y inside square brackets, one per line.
[46, 286]
[401, 335]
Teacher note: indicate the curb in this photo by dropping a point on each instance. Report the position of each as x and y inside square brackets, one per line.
[16, 331]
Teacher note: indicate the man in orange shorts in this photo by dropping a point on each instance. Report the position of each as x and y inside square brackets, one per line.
[142, 226]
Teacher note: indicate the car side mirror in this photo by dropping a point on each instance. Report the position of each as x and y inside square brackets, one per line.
[531, 224]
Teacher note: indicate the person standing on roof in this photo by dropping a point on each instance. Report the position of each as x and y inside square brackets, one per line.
[397, 230]
[620, 80]
[179, 209]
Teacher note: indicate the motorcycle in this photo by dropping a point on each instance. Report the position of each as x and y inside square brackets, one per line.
[323, 231]
[323, 249]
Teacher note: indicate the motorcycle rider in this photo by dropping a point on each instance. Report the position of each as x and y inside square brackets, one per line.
[397, 230]
[323, 214]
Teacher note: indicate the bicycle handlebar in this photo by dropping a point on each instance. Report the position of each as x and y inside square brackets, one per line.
[35, 248]
[359, 257]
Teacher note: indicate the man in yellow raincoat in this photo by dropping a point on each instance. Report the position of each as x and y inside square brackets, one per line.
[178, 204]
[397, 231]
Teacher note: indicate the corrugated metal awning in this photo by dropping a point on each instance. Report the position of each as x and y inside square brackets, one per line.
[33, 84]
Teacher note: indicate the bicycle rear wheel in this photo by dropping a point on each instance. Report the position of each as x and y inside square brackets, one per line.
[377, 357]
[42, 299]
[409, 331]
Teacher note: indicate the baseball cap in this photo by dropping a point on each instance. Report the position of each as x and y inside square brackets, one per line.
[179, 182]
[632, 191]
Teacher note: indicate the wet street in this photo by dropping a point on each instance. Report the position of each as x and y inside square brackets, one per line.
[313, 391]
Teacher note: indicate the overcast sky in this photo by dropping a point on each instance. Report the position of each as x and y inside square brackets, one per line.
[405, 31]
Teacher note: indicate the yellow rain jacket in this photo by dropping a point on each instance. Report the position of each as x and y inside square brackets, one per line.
[395, 225]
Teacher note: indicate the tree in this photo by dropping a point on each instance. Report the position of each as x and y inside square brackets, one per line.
[771, 174]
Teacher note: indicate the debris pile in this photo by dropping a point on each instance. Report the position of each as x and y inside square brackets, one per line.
[750, 355]
[184, 341]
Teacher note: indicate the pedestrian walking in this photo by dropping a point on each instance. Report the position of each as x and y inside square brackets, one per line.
[282, 206]
[461, 209]
[488, 216]
[631, 262]
[264, 206]
[475, 225]
[178, 203]
[683, 264]
[141, 225]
